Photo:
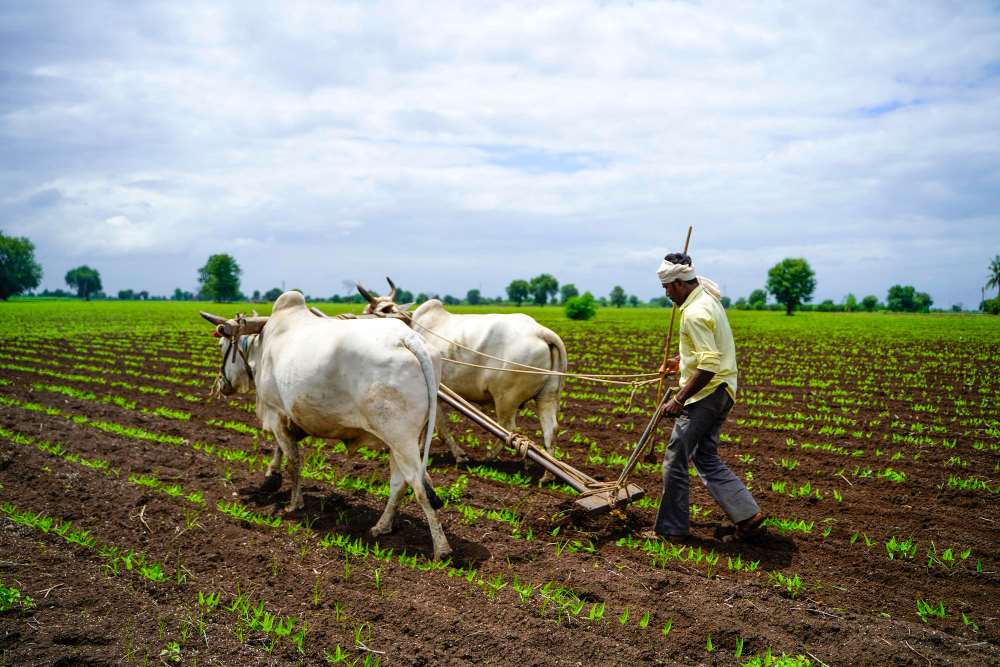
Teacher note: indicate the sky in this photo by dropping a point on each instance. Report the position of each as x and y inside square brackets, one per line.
[463, 145]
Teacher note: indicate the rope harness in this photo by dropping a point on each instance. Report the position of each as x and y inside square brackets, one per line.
[238, 344]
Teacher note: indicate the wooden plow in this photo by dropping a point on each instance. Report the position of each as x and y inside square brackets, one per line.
[595, 496]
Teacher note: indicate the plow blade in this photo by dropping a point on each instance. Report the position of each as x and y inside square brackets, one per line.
[598, 503]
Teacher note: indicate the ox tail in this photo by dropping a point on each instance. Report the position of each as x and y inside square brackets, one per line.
[559, 362]
[414, 344]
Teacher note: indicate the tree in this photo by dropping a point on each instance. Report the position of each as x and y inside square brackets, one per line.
[869, 303]
[272, 294]
[827, 306]
[403, 296]
[791, 282]
[126, 295]
[19, 271]
[542, 287]
[726, 302]
[182, 295]
[517, 291]
[450, 300]
[904, 298]
[568, 291]
[994, 275]
[757, 299]
[581, 307]
[220, 278]
[850, 303]
[473, 297]
[84, 280]
[617, 296]
[633, 301]
[256, 295]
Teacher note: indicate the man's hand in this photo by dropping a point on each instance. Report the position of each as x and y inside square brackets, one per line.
[671, 366]
[673, 407]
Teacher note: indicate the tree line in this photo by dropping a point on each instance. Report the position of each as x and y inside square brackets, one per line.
[790, 283]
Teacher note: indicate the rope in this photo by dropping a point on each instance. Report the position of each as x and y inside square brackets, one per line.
[592, 378]
[535, 370]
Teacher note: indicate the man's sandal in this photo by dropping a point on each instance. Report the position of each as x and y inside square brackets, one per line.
[742, 531]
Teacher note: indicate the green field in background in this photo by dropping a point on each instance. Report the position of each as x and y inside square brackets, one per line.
[62, 318]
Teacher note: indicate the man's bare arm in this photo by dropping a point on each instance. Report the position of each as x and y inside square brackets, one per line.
[697, 383]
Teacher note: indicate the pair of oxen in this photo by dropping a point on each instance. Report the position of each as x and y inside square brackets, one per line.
[375, 379]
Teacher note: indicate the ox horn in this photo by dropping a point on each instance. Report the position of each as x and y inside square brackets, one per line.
[365, 293]
[214, 319]
[392, 294]
[318, 313]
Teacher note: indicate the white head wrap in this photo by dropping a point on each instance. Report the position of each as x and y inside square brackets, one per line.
[669, 272]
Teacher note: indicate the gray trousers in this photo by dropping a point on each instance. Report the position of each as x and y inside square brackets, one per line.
[695, 438]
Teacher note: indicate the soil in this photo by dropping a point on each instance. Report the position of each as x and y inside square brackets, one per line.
[856, 605]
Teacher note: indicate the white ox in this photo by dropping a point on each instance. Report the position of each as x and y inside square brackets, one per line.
[514, 337]
[349, 380]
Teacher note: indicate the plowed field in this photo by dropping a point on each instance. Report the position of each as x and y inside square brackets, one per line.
[130, 519]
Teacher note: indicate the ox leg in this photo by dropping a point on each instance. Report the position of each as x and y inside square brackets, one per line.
[506, 417]
[272, 478]
[397, 486]
[411, 469]
[441, 425]
[290, 446]
[548, 408]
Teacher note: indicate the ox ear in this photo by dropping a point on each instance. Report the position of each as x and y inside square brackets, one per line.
[365, 293]
[214, 319]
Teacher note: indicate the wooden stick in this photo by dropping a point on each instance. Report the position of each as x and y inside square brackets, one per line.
[670, 332]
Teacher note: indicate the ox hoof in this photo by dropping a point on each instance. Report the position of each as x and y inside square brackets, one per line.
[378, 529]
[271, 483]
[547, 477]
[444, 554]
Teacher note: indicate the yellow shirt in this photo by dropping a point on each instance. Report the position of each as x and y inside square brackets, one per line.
[706, 343]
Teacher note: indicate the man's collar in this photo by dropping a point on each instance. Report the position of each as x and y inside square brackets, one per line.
[692, 296]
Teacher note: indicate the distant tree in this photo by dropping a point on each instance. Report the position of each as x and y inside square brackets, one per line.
[581, 307]
[181, 295]
[19, 272]
[603, 302]
[542, 287]
[403, 296]
[956, 307]
[617, 296]
[473, 297]
[869, 303]
[450, 300]
[633, 300]
[424, 297]
[518, 291]
[568, 291]
[741, 303]
[220, 278]
[726, 302]
[660, 301]
[850, 303]
[272, 294]
[757, 299]
[991, 306]
[791, 282]
[994, 275]
[905, 299]
[85, 280]
[826, 306]
[256, 295]
[126, 294]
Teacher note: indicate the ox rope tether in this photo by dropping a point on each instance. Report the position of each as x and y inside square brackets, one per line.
[236, 346]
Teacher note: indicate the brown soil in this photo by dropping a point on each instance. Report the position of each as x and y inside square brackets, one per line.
[856, 606]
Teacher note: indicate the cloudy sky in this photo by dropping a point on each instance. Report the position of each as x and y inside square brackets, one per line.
[464, 144]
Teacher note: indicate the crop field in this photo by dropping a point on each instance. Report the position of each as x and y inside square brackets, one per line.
[130, 531]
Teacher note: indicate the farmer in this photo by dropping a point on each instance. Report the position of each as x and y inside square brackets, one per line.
[707, 364]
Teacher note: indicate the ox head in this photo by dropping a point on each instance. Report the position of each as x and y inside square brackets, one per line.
[383, 306]
[236, 339]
